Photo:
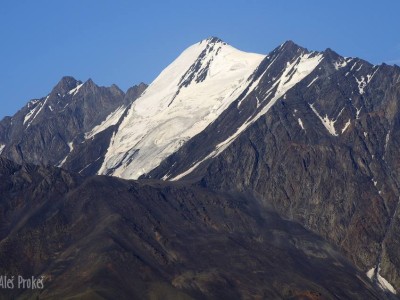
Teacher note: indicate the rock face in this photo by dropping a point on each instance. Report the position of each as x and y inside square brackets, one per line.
[103, 237]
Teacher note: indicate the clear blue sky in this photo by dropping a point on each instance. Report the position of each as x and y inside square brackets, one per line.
[126, 42]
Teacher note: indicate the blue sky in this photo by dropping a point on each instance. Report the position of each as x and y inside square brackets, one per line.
[127, 42]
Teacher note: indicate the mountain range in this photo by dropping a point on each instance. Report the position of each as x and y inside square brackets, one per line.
[232, 175]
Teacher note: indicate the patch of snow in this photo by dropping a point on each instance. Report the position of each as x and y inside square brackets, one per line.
[346, 126]
[30, 113]
[50, 108]
[369, 76]
[190, 170]
[340, 113]
[358, 112]
[387, 138]
[371, 273]
[89, 165]
[167, 114]
[301, 124]
[374, 274]
[384, 284]
[111, 119]
[359, 68]
[312, 81]
[365, 134]
[361, 84]
[165, 177]
[340, 64]
[304, 65]
[258, 102]
[328, 123]
[32, 102]
[71, 147]
[353, 66]
[2, 148]
[35, 112]
[75, 90]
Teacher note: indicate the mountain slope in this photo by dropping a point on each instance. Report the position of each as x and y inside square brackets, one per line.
[158, 239]
[47, 130]
[186, 97]
[323, 154]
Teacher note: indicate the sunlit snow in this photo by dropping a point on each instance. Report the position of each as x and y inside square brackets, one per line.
[111, 119]
[29, 114]
[168, 114]
[75, 90]
[312, 81]
[370, 76]
[361, 84]
[385, 285]
[341, 63]
[382, 282]
[346, 126]
[328, 123]
[387, 139]
[301, 123]
[358, 112]
[35, 112]
[71, 147]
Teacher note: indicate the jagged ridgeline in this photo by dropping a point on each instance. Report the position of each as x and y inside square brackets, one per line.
[297, 135]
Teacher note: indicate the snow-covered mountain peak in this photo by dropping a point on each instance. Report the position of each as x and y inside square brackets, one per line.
[213, 59]
[184, 99]
[200, 68]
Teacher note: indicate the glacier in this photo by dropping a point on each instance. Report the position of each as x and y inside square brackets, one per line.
[181, 102]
